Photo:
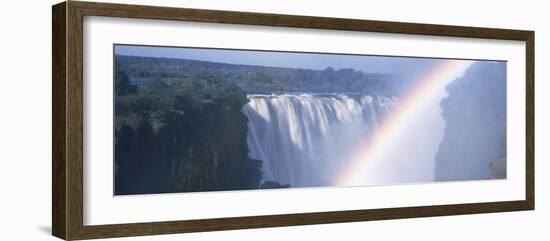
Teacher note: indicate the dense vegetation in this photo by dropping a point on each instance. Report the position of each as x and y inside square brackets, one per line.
[179, 125]
[170, 136]
[143, 70]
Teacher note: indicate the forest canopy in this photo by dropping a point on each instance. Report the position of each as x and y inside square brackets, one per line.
[179, 125]
[145, 70]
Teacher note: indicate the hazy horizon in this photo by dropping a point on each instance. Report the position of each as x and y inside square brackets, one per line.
[196, 126]
[410, 66]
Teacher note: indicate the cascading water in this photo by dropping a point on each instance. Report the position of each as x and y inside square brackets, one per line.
[303, 138]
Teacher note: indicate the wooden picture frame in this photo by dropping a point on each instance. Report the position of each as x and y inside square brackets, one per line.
[67, 149]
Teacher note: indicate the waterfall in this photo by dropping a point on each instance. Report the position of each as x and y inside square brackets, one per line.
[303, 138]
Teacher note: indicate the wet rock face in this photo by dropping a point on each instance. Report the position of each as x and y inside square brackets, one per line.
[474, 142]
[497, 169]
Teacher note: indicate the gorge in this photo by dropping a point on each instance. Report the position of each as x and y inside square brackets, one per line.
[191, 126]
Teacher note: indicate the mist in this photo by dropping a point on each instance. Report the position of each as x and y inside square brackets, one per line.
[308, 136]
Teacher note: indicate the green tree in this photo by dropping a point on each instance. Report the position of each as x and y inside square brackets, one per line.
[122, 84]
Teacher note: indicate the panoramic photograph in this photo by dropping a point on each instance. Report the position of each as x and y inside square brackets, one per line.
[204, 119]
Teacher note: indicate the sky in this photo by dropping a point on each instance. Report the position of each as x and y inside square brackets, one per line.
[424, 81]
[408, 66]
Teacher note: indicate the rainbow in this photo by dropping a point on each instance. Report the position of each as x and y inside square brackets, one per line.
[380, 142]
